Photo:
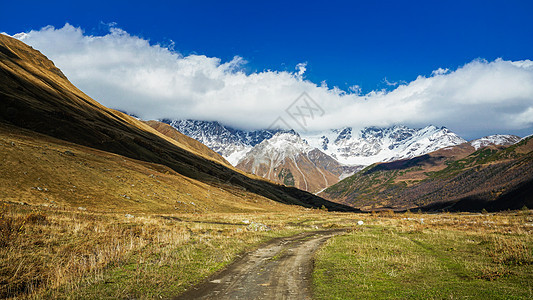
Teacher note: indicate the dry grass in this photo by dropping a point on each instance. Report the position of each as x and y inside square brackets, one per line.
[53, 248]
[62, 252]
[44, 171]
[58, 252]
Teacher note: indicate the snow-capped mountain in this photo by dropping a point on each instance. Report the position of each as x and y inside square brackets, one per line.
[231, 143]
[497, 139]
[346, 146]
[373, 144]
[287, 158]
[313, 161]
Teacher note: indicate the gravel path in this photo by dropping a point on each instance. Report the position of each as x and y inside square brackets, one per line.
[280, 269]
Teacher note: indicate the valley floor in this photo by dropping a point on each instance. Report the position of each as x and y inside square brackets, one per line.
[58, 252]
[442, 256]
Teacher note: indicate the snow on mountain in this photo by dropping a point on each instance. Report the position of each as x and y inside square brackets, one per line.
[497, 139]
[286, 145]
[287, 158]
[314, 161]
[526, 137]
[231, 143]
[373, 144]
[347, 146]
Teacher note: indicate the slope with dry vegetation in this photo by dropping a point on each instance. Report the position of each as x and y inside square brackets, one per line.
[458, 178]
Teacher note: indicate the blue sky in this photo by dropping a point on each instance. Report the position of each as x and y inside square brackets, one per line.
[461, 64]
[343, 42]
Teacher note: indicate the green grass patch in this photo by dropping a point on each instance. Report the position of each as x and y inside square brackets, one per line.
[380, 262]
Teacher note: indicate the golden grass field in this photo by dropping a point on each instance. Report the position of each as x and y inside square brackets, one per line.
[61, 252]
[67, 253]
[40, 170]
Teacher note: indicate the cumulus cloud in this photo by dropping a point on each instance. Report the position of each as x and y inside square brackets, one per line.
[129, 73]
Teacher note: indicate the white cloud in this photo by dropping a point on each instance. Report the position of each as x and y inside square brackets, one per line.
[127, 72]
[301, 67]
[440, 71]
[356, 89]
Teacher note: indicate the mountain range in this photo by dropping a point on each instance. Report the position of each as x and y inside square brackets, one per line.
[374, 144]
[403, 166]
[314, 161]
[466, 177]
[346, 145]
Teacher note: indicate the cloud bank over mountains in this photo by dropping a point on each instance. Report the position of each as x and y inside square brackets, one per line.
[127, 72]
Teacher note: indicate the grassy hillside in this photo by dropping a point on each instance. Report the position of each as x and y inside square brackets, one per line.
[457, 178]
[40, 170]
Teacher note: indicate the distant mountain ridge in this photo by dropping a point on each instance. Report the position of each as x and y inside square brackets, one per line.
[496, 139]
[313, 161]
[493, 177]
[345, 145]
[374, 144]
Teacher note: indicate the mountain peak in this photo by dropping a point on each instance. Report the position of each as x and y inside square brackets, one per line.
[288, 142]
[495, 139]
[287, 158]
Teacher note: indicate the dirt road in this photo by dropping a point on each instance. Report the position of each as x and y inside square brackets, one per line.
[280, 269]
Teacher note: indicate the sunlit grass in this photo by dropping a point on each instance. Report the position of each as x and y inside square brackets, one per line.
[60, 252]
[48, 252]
[429, 256]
